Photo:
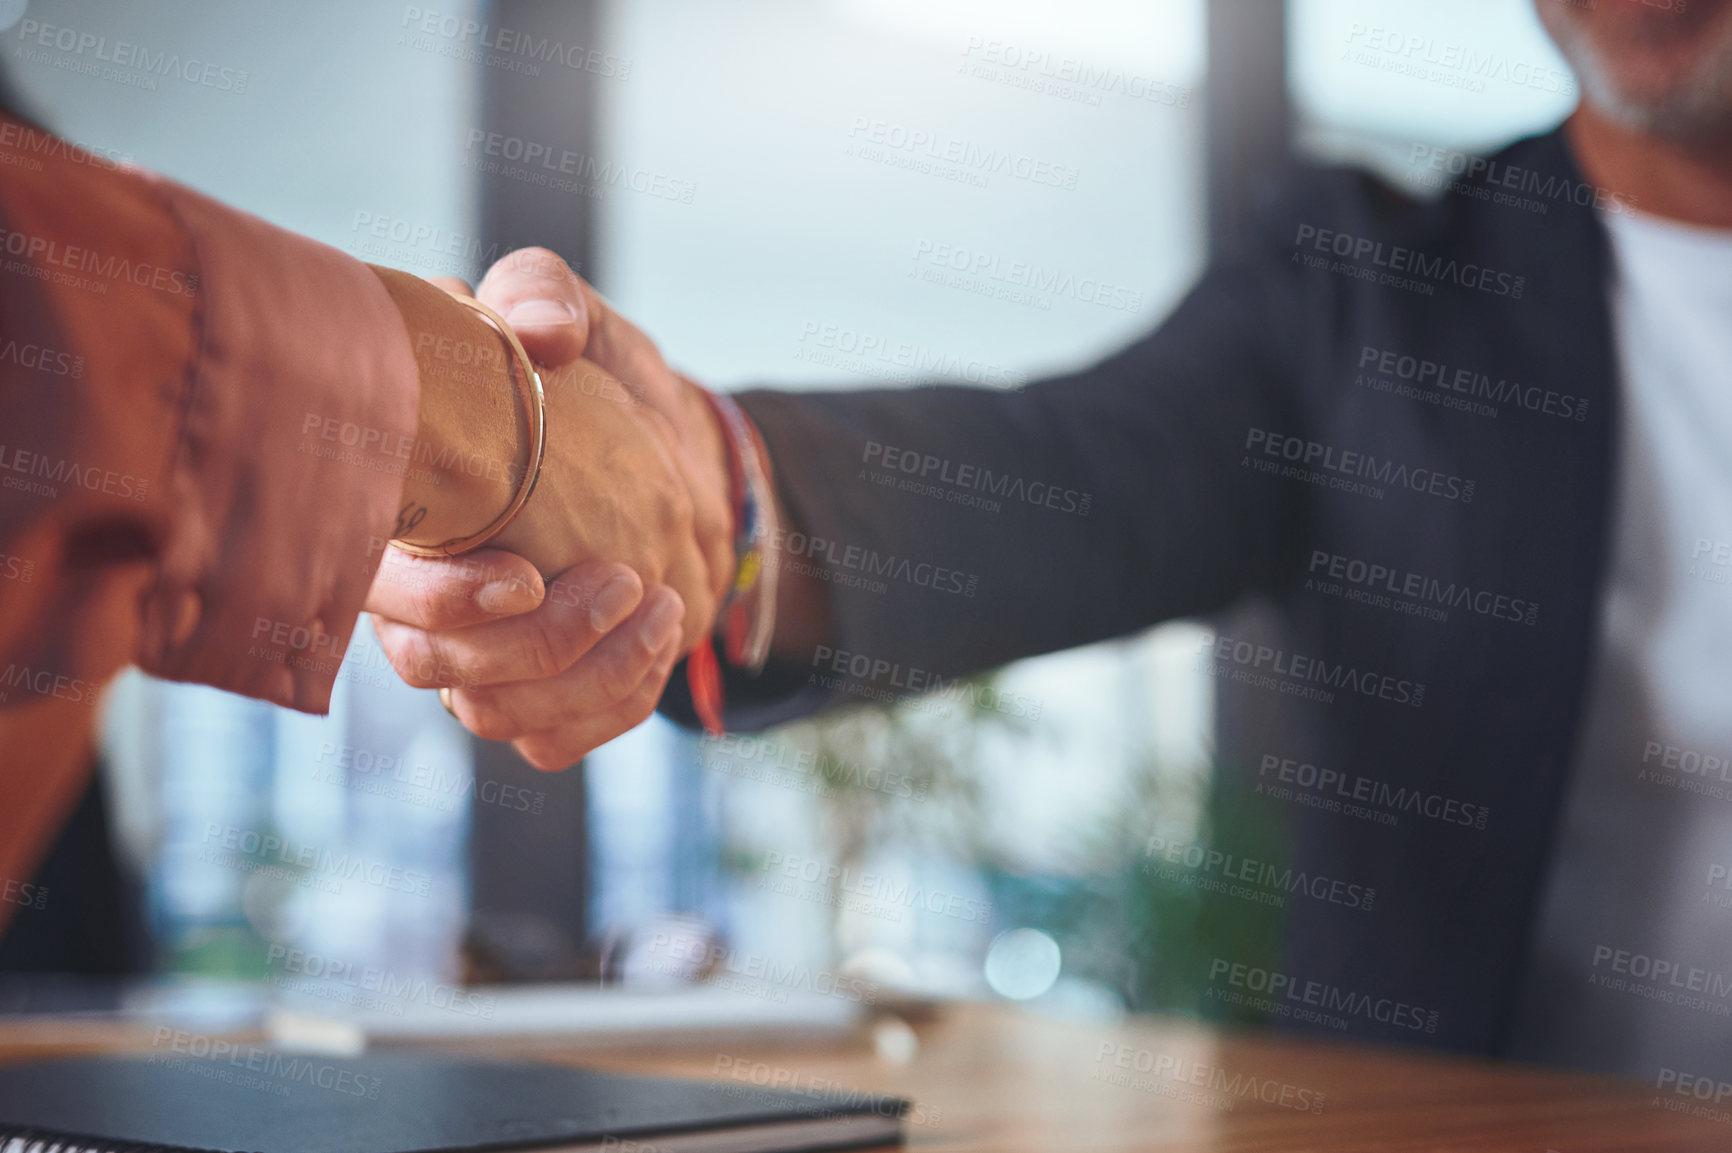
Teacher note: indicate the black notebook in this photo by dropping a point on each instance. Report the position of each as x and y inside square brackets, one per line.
[261, 1101]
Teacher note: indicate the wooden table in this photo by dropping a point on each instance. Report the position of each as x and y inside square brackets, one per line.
[987, 1078]
[995, 1079]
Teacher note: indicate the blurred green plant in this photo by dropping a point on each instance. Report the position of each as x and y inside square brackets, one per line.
[1148, 934]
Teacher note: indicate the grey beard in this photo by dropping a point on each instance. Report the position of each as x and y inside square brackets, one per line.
[1697, 108]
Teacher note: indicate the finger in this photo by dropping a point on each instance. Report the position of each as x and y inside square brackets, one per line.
[559, 316]
[451, 593]
[583, 605]
[558, 748]
[452, 285]
[687, 570]
[603, 679]
[708, 522]
[712, 525]
[618, 346]
[543, 300]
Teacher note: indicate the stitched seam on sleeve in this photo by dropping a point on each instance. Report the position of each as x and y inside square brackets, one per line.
[191, 377]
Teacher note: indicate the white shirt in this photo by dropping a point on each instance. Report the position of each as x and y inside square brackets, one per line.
[1632, 968]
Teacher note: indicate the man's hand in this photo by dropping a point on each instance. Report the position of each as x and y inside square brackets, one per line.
[562, 666]
[560, 317]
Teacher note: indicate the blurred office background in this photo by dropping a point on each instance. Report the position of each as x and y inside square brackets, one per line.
[747, 201]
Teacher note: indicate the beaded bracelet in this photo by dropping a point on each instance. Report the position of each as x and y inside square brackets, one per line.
[747, 619]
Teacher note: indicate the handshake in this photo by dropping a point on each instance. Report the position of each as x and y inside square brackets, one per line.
[561, 633]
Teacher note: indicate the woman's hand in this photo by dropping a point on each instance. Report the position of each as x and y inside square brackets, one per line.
[628, 500]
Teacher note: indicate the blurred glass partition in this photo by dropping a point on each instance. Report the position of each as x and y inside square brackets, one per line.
[874, 171]
[1384, 82]
[877, 193]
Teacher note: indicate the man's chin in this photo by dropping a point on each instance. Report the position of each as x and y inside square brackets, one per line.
[1650, 68]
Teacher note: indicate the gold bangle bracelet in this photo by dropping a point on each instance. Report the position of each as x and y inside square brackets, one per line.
[535, 405]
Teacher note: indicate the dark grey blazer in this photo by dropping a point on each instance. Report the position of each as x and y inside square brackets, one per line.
[1394, 411]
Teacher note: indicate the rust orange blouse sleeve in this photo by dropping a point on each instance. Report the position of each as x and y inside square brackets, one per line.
[197, 414]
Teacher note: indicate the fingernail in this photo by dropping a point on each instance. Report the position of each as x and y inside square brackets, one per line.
[661, 625]
[506, 596]
[541, 314]
[615, 600]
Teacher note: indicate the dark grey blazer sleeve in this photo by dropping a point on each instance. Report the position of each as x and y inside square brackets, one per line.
[960, 528]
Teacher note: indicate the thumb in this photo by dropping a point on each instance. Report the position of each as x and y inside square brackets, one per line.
[542, 299]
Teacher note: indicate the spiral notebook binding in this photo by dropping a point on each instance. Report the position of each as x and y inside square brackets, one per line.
[37, 1141]
[15, 1140]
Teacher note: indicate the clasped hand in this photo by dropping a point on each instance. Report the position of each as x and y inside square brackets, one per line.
[629, 524]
